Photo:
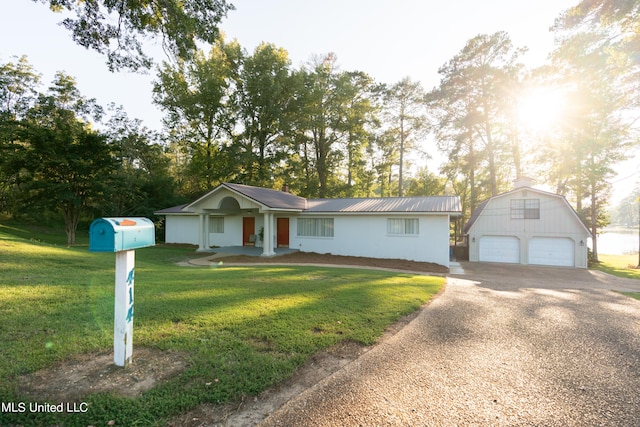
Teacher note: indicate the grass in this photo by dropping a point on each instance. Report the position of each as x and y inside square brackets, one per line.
[242, 329]
[621, 266]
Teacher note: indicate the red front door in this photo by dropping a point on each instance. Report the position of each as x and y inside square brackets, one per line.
[283, 232]
[248, 228]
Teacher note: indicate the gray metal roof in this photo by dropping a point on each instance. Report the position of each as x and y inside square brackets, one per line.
[173, 210]
[275, 199]
[271, 198]
[443, 204]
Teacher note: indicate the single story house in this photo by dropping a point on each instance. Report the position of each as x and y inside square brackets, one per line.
[412, 228]
[527, 226]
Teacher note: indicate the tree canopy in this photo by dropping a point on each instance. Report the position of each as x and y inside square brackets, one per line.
[117, 28]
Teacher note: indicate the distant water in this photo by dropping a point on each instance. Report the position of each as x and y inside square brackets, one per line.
[616, 243]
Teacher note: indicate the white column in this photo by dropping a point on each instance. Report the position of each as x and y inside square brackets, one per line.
[268, 235]
[201, 243]
[123, 311]
[206, 232]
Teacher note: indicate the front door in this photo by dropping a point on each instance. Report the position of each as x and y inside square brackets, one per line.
[248, 229]
[283, 232]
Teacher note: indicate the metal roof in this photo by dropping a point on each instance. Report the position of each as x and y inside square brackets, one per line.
[271, 198]
[450, 204]
[173, 210]
[275, 199]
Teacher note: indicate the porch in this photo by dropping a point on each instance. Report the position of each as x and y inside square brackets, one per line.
[248, 250]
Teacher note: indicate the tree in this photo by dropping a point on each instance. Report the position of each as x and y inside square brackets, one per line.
[596, 131]
[470, 113]
[200, 116]
[116, 28]
[263, 101]
[18, 92]
[60, 164]
[405, 116]
[332, 126]
[361, 118]
[142, 176]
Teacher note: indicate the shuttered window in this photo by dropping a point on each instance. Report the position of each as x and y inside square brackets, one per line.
[315, 227]
[403, 226]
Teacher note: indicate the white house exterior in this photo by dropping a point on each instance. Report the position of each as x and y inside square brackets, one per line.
[412, 228]
[527, 226]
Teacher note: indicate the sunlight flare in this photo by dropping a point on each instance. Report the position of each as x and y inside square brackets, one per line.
[541, 108]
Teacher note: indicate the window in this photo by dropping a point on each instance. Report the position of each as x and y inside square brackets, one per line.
[525, 209]
[216, 224]
[315, 227]
[403, 226]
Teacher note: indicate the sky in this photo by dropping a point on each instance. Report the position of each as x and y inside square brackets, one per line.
[388, 39]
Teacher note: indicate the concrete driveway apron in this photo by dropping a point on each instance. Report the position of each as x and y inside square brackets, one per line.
[502, 346]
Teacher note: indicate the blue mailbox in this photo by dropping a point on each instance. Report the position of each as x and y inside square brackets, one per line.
[121, 234]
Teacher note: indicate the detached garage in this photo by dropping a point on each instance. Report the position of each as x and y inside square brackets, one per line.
[527, 226]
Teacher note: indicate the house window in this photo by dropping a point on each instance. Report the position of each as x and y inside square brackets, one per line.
[525, 209]
[315, 227]
[216, 224]
[403, 226]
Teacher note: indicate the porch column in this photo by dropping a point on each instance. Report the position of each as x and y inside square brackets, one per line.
[268, 235]
[201, 242]
[206, 231]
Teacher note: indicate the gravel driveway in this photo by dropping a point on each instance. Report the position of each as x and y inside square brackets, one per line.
[503, 345]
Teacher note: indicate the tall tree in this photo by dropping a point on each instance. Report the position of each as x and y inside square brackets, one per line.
[200, 117]
[117, 28]
[142, 176]
[406, 118]
[63, 166]
[18, 92]
[264, 103]
[596, 131]
[469, 110]
[361, 119]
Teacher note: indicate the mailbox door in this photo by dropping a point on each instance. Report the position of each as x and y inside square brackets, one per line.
[101, 236]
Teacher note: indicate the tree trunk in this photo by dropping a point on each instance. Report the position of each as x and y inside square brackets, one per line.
[400, 171]
[71, 218]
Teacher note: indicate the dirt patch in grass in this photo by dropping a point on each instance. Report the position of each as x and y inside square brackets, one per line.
[316, 258]
[72, 380]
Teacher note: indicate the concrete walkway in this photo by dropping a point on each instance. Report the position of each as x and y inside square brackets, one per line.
[503, 345]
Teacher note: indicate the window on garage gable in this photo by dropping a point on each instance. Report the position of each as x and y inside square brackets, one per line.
[525, 209]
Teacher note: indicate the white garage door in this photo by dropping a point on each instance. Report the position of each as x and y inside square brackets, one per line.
[551, 251]
[499, 249]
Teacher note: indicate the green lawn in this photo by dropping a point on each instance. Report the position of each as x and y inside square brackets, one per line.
[242, 329]
[621, 266]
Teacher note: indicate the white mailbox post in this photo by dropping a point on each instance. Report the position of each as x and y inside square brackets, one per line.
[122, 236]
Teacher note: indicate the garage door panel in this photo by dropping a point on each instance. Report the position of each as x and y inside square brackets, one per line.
[555, 251]
[504, 249]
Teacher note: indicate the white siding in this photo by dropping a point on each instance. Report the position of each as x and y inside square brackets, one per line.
[557, 220]
[232, 235]
[181, 229]
[367, 236]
